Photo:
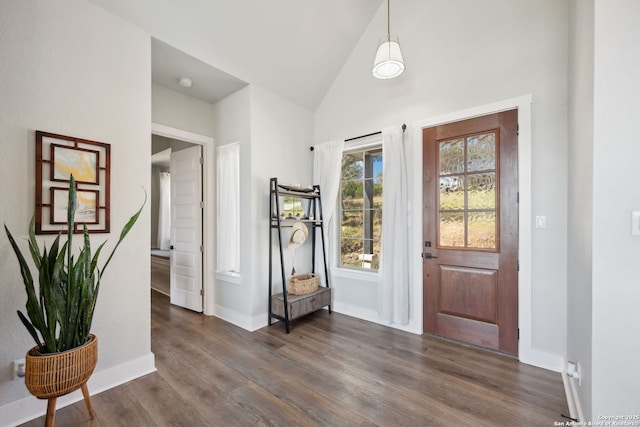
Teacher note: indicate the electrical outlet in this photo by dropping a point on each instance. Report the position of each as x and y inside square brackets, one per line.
[574, 371]
[18, 369]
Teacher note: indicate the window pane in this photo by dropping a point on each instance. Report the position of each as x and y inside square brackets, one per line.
[368, 217]
[351, 250]
[481, 152]
[371, 254]
[352, 195]
[352, 166]
[452, 193]
[368, 193]
[377, 179]
[376, 250]
[377, 224]
[352, 225]
[482, 230]
[451, 157]
[481, 191]
[377, 166]
[377, 196]
[452, 229]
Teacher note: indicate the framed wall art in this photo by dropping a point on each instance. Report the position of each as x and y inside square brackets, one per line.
[57, 158]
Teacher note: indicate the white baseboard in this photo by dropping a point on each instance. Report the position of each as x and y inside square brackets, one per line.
[541, 359]
[370, 316]
[238, 319]
[26, 409]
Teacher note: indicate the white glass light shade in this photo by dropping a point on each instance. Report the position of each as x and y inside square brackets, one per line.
[388, 62]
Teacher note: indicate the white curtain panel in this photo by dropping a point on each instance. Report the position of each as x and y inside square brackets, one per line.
[164, 211]
[327, 168]
[228, 208]
[393, 275]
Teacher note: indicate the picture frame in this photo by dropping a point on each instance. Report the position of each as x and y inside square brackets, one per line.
[86, 212]
[57, 158]
[81, 161]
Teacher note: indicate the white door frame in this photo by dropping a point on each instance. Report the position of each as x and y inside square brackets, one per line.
[526, 352]
[208, 220]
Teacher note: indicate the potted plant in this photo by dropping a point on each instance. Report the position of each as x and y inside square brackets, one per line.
[59, 312]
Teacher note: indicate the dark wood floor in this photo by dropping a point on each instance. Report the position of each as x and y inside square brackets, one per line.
[330, 370]
[160, 274]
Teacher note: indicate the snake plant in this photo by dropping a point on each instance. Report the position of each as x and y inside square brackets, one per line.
[60, 311]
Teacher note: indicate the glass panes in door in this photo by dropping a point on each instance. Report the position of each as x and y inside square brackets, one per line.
[467, 202]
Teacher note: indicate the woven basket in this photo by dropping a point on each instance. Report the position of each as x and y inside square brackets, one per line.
[56, 374]
[303, 284]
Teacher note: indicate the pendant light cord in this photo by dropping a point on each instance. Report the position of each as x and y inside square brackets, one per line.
[388, 19]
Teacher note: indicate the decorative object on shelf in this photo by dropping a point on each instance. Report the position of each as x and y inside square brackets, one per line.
[303, 284]
[297, 187]
[299, 233]
[388, 62]
[301, 294]
[57, 158]
[60, 311]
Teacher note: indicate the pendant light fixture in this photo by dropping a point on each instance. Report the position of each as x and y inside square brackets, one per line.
[388, 62]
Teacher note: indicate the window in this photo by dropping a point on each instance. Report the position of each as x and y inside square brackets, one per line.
[228, 209]
[361, 208]
[468, 213]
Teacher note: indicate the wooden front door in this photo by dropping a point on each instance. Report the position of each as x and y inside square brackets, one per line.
[470, 259]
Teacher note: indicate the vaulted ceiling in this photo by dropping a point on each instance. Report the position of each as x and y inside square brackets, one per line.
[293, 48]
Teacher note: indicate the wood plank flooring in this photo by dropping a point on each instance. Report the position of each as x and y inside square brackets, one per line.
[160, 274]
[331, 370]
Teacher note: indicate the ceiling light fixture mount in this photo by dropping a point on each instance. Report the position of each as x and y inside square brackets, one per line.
[185, 81]
[388, 62]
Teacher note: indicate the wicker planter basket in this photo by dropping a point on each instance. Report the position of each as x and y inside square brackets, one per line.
[53, 375]
[303, 284]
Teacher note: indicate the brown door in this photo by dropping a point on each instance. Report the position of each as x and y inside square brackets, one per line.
[470, 264]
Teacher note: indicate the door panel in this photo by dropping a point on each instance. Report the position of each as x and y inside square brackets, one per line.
[468, 293]
[471, 231]
[186, 229]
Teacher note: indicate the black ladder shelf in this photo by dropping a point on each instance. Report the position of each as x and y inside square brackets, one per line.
[284, 306]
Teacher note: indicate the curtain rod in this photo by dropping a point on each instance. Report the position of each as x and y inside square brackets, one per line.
[404, 127]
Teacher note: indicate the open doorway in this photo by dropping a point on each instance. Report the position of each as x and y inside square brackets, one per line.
[201, 288]
[161, 211]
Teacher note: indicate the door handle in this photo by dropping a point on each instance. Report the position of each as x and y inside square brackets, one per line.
[428, 255]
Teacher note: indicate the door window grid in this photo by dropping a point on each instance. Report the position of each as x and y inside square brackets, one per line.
[467, 197]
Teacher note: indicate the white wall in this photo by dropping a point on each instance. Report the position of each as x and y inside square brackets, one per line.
[71, 68]
[580, 224]
[176, 110]
[231, 123]
[281, 134]
[616, 254]
[462, 54]
[274, 137]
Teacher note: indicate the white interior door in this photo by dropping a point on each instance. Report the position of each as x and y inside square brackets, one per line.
[186, 228]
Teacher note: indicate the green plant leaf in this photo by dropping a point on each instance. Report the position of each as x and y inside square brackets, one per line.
[31, 330]
[33, 244]
[34, 311]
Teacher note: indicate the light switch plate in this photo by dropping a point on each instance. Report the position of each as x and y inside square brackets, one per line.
[635, 223]
[541, 221]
